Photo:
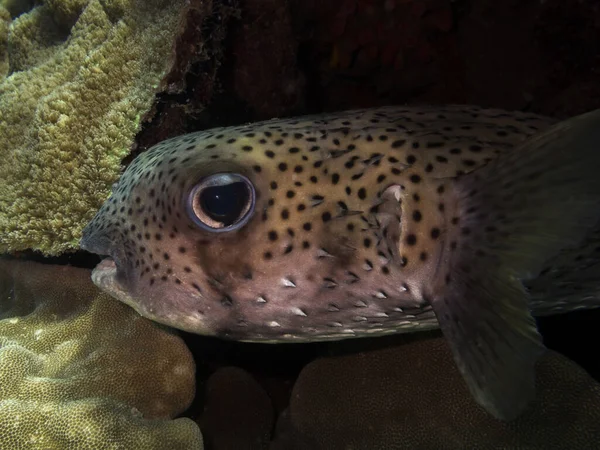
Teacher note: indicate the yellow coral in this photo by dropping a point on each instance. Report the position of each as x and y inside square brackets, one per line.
[81, 370]
[70, 108]
[4, 21]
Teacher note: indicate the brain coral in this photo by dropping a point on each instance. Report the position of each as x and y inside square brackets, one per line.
[76, 77]
[412, 396]
[81, 370]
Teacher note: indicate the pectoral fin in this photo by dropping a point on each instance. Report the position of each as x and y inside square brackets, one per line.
[493, 338]
[507, 219]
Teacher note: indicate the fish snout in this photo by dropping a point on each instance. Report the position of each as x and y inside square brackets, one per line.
[94, 242]
[102, 243]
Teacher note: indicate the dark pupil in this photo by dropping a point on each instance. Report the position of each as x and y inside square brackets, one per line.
[225, 203]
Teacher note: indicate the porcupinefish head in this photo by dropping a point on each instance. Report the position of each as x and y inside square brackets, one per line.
[358, 223]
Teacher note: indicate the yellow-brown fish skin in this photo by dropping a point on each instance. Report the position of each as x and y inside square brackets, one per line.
[361, 226]
[249, 267]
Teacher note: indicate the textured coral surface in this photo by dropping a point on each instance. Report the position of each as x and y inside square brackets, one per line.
[80, 76]
[410, 395]
[79, 370]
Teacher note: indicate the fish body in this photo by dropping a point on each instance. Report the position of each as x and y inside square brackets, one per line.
[365, 222]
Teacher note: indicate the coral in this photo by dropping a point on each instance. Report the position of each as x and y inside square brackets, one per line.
[81, 77]
[4, 23]
[237, 412]
[412, 396]
[80, 370]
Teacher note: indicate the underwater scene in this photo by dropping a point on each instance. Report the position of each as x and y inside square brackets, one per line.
[299, 224]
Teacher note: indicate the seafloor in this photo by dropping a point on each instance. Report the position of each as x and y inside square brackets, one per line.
[291, 57]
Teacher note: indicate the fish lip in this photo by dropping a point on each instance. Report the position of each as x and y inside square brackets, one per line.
[108, 273]
[107, 277]
[104, 275]
[111, 275]
[107, 264]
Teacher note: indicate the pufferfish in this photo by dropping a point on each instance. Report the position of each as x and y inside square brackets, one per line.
[364, 223]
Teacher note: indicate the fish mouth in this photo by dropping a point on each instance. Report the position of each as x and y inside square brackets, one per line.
[105, 276]
[111, 280]
[110, 251]
[115, 276]
[109, 275]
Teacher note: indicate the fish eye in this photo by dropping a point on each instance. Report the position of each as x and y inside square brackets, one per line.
[221, 202]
